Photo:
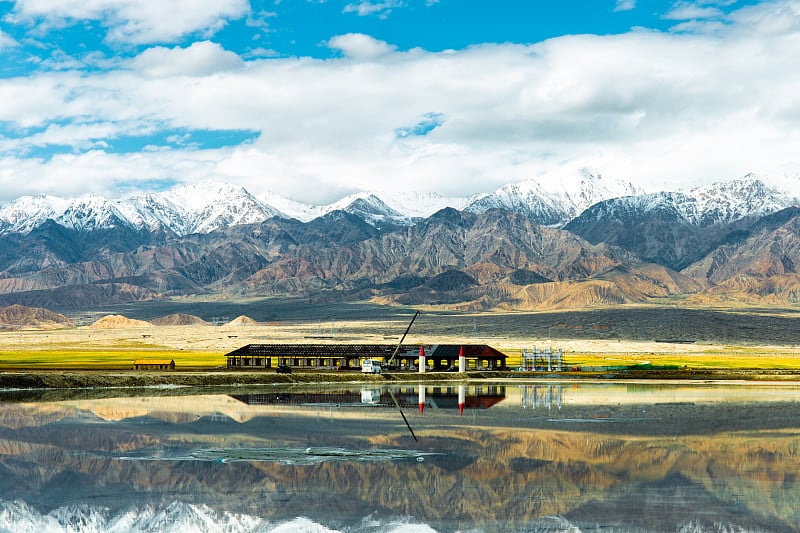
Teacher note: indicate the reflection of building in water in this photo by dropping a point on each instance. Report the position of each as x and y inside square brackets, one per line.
[534, 396]
[536, 359]
[436, 397]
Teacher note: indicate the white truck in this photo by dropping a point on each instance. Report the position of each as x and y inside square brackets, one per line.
[371, 366]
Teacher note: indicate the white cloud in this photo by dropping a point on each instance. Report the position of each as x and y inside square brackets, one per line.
[625, 5]
[653, 107]
[360, 46]
[370, 7]
[769, 19]
[199, 59]
[135, 21]
[689, 11]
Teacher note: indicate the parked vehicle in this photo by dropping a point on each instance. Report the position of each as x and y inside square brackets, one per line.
[371, 366]
[284, 369]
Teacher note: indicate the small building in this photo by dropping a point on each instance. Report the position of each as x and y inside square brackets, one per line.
[154, 364]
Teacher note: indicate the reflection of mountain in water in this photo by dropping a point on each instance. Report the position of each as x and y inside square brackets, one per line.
[489, 475]
[672, 500]
[177, 516]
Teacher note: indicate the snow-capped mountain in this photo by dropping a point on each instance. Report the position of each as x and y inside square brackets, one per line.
[365, 205]
[557, 204]
[418, 205]
[200, 207]
[205, 206]
[734, 200]
[717, 203]
[677, 228]
[375, 206]
[29, 212]
[196, 208]
[91, 212]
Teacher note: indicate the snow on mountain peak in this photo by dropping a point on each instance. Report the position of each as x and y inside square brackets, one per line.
[90, 212]
[207, 205]
[28, 212]
[555, 202]
[421, 204]
[199, 195]
[400, 208]
[724, 202]
[716, 203]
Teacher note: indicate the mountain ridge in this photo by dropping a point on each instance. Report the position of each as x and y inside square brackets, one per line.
[207, 205]
[209, 240]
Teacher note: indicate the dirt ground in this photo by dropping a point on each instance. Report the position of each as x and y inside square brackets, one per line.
[225, 338]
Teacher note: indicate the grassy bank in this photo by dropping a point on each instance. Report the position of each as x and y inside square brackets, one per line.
[115, 358]
[122, 358]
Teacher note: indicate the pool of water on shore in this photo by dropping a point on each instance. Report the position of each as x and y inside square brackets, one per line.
[534, 456]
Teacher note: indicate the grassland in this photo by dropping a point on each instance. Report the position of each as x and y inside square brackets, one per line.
[754, 338]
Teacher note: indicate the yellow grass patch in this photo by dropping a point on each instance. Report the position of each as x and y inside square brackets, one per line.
[205, 346]
[104, 359]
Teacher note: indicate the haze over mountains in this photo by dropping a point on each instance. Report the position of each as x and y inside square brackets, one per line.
[585, 242]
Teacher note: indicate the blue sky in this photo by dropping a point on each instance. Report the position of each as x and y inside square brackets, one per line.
[315, 99]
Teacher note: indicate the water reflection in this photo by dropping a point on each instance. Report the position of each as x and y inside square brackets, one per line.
[543, 456]
[436, 397]
[537, 396]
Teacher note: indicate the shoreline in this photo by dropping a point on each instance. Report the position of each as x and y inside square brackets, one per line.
[32, 380]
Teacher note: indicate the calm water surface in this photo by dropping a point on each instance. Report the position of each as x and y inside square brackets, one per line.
[538, 456]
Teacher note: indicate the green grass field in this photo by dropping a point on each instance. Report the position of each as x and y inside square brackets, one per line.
[122, 357]
[88, 359]
[737, 358]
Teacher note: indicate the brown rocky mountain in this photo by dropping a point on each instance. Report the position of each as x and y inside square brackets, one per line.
[19, 316]
[472, 261]
[178, 319]
[656, 232]
[758, 265]
[492, 260]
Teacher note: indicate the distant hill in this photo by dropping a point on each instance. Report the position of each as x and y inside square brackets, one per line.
[242, 321]
[179, 319]
[20, 316]
[118, 321]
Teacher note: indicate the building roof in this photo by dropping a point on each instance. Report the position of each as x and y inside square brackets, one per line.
[449, 351]
[154, 362]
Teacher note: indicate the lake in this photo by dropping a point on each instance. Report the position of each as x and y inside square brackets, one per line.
[499, 456]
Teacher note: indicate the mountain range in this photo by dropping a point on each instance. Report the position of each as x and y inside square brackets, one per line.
[587, 241]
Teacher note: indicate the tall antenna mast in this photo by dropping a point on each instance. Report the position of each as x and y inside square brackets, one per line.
[399, 344]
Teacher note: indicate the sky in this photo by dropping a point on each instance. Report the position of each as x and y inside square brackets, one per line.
[317, 99]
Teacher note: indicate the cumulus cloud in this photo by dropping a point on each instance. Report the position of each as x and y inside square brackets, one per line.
[653, 107]
[135, 21]
[360, 46]
[767, 20]
[199, 59]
